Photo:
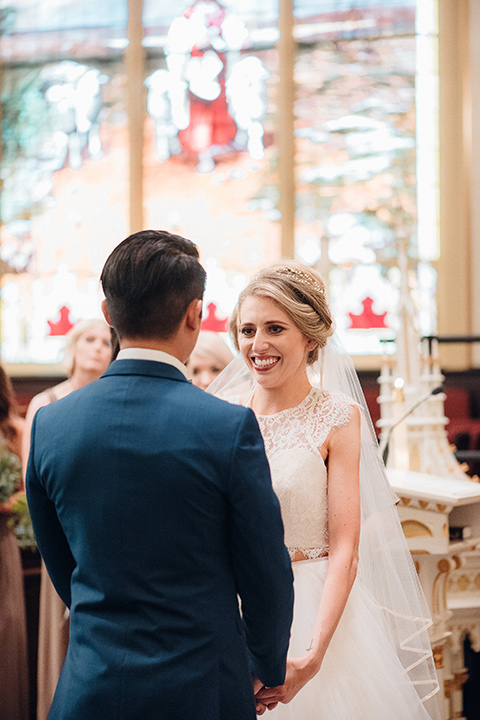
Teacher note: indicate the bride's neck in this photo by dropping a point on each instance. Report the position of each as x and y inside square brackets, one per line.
[268, 401]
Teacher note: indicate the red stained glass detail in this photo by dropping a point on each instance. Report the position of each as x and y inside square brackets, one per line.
[62, 326]
[212, 322]
[210, 122]
[367, 320]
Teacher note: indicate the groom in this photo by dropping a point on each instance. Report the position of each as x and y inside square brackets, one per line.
[154, 512]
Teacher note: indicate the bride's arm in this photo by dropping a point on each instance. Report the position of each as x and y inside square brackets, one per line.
[344, 532]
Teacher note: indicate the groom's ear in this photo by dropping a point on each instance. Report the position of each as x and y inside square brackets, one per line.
[105, 312]
[193, 315]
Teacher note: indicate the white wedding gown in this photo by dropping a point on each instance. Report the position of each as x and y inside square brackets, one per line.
[361, 677]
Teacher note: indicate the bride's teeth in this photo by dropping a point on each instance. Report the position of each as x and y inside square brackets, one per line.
[265, 363]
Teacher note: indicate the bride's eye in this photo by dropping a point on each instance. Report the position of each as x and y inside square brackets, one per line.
[247, 331]
[276, 329]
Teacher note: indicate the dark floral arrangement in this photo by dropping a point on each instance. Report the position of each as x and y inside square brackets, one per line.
[10, 482]
[21, 522]
[10, 473]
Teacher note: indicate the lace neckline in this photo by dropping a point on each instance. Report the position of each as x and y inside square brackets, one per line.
[303, 402]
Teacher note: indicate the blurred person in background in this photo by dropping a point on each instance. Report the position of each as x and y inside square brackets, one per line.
[87, 355]
[13, 631]
[209, 357]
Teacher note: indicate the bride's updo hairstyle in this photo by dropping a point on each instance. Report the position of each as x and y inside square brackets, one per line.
[300, 292]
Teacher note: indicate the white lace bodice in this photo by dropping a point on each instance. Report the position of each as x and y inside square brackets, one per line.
[293, 439]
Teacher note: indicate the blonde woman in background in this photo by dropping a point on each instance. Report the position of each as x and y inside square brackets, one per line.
[210, 356]
[86, 357]
[13, 629]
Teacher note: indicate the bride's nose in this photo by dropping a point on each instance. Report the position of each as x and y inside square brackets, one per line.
[260, 342]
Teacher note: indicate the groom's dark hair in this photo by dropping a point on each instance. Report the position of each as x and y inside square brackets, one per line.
[149, 280]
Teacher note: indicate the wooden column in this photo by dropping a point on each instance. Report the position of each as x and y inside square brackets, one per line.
[136, 108]
[285, 136]
[475, 170]
[454, 294]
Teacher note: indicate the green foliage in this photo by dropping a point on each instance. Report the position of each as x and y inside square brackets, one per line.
[10, 473]
[21, 522]
[10, 480]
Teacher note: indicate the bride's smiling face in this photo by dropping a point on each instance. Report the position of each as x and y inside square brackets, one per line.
[272, 346]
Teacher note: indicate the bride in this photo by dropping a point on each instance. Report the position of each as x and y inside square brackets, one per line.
[359, 647]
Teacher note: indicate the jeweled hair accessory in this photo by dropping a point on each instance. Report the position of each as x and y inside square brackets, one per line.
[300, 277]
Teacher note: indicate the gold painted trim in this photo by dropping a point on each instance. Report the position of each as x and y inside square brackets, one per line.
[437, 652]
[414, 529]
[444, 566]
[455, 683]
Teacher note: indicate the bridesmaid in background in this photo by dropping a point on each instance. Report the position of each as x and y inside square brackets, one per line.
[209, 357]
[13, 631]
[86, 357]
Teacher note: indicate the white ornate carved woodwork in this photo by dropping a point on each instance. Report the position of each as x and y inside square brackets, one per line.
[449, 570]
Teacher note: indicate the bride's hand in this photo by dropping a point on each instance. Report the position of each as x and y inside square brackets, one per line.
[299, 672]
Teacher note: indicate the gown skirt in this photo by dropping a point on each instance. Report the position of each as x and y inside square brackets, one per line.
[361, 677]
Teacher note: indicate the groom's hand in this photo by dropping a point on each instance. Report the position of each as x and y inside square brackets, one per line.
[257, 686]
[299, 672]
[260, 707]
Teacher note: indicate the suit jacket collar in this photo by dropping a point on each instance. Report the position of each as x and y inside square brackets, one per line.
[144, 367]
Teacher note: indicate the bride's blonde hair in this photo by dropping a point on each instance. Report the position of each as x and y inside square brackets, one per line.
[300, 292]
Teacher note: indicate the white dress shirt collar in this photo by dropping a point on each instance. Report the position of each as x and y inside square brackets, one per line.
[150, 354]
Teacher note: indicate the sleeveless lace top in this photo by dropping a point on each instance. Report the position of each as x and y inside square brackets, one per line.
[293, 439]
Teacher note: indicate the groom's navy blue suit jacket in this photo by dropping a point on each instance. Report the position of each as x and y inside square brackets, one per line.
[153, 509]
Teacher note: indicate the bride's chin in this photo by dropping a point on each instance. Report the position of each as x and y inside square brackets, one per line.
[267, 380]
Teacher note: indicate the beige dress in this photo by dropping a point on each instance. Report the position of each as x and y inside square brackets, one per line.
[53, 628]
[13, 629]
[52, 643]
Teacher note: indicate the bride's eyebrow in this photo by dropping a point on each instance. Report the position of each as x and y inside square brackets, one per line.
[266, 322]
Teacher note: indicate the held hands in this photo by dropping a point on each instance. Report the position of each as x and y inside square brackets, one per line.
[299, 672]
[259, 706]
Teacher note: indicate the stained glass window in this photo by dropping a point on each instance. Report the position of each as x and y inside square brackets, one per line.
[210, 156]
[64, 168]
[365, 163]
[361, 70]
